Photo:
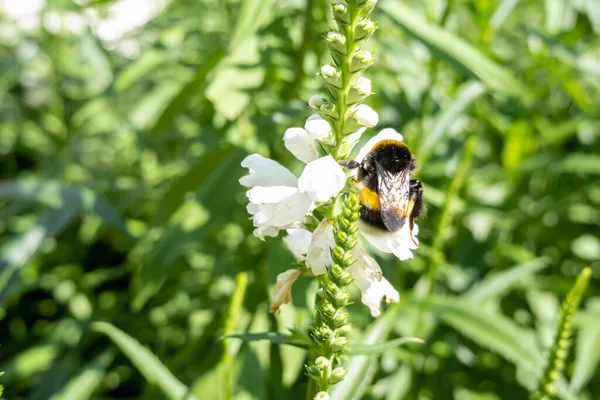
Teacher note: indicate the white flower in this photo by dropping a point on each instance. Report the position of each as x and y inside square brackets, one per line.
[401, 242]
[300, 144]
[317, 127]
[363, 86]
[278, 200]
[322, 179]
[298, 240]
[365, 270]
[365, 115]
[282, 291]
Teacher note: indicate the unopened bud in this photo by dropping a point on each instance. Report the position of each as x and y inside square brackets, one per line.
[366, 5]
[364, 29]
[359, 90]
[340, 13]
[344, 330]
[322, 362]
[317, 128]
[365, 116]
[314, 372]
[322, 396]
[339, 344]
[341, 299]
[336, 42]
[331, 75]
[340, 318]
[361, 60]
[316, 101]
[345, 278]
[337, 375]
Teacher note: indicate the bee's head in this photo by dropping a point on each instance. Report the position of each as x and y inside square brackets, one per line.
[395, 157]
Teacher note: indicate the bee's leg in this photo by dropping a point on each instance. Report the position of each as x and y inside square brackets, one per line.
[352, 164]
[415, 201]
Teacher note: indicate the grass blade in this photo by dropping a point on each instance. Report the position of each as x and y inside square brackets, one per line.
[146, 362]
[452, 48]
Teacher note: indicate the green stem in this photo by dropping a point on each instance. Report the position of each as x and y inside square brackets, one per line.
[445, 220]
[346, 77]
[235, 307]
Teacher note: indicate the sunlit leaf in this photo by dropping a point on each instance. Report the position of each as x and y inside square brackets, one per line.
[452, 48]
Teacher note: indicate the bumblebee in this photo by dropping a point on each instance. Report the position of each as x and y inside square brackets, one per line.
[388, 197]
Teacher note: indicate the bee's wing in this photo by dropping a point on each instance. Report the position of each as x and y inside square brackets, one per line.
[393, 197]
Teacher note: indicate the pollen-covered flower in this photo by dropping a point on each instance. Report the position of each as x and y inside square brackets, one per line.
[280, 200]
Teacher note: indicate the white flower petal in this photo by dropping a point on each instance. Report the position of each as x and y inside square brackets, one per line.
[368, 278]
[298, 240]
[384, 134]
[317, 127]
[322, 179]
[300, 144]
[266, 172]
[278, 206]
[282, 291]
[400, 243]
[318, 255]
[268, 231]
[365, 115]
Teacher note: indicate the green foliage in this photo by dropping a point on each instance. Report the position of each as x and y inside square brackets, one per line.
[121, 214]
[562, 341]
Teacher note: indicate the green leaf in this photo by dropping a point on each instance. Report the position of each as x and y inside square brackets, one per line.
[253, 14]
[138, 69]
[359, 349]
[187, 225]
[146, 362]
[272, 337]
[581, 163]
[19, 250]
[489, 329]
[193, 178]
[587, 352]
[454, 49]
[498, 284]
[55, 194]
[467, 93]
[362, 368]
[83, 385]
[178, 103]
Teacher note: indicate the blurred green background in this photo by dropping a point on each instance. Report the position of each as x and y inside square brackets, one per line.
[122, 128]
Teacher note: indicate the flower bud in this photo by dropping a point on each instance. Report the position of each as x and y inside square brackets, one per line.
[366, 5]
[345, 278]
[327, 309]
[317, 127]
[322, 396]
[340, 13]
[344, 330]
[322, 362]
[359, 90]
[361, 60]
[316, 101]
[364, 29]
[341, 299]
[336, 42]
[339, 344]
[331, 75]
[340, 318]
[365, 116]
[314, 372]
[337, 375]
